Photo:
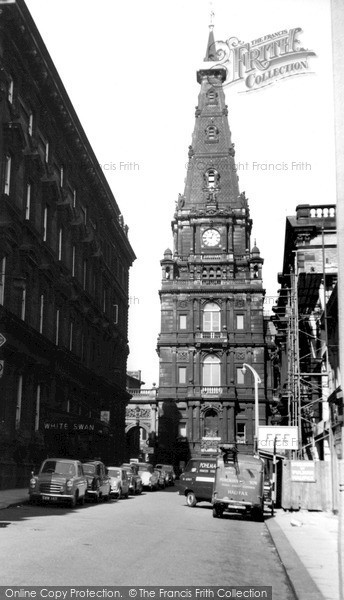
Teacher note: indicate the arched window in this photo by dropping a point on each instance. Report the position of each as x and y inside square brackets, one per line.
[211, 177]
[211, 423]
[211, 317]
[212, 133]
[212, 96]
[211, 371]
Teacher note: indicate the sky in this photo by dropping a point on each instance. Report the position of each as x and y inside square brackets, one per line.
[130, 71]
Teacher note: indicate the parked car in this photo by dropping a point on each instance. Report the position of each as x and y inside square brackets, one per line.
[161, 478]
[119, 483]
[135, 481]
[98, 481]
[170, 474]
[149, 478]
[59, 480]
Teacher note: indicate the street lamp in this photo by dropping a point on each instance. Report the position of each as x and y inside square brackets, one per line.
[257, 380]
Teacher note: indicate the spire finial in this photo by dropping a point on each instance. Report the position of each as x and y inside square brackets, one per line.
[212, 15]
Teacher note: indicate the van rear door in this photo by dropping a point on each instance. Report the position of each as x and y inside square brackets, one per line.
[204, 471]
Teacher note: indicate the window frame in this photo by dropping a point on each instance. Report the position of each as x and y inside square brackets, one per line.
[214, 376]
[182, 374]
[7, 173]
[212, 326]
[240, 376]
[238, 322]
[182, 319]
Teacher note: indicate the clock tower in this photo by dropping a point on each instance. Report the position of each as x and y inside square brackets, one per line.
[211, 296]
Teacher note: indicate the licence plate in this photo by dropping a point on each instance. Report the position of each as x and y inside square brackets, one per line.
[50, 498]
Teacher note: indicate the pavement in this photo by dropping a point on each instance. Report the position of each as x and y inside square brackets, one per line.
[306, 542]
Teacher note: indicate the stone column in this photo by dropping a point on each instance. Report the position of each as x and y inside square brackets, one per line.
[190, 422]
[197, 433]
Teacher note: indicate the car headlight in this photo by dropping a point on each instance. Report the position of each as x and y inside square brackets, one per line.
[33, 483]
[69, 484]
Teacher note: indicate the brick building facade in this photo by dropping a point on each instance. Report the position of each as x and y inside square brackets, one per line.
[64, 265]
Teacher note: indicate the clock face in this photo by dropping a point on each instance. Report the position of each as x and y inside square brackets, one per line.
[211, 237]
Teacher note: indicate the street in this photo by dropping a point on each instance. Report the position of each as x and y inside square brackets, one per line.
[152, 539]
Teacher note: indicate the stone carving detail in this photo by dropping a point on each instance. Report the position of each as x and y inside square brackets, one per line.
[240, 355]
[143, 413]
[183, 303]
[181, 201]
[239, 303]
[215, 405]
[182, 355]
[303, 238]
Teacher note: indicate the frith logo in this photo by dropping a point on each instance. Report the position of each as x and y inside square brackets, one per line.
[263, 61]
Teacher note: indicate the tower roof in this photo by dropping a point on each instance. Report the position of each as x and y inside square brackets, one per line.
[210, 54]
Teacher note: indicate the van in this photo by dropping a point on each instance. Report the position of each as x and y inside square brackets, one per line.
[196, 482]
[239, 484]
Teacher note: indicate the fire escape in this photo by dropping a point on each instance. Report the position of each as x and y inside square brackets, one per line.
[302, 338]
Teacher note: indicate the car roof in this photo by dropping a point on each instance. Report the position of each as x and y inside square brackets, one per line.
[62, 459]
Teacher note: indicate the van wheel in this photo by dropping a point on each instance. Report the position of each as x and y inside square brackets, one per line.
[217, 512]
[191, 499]
[258, 514]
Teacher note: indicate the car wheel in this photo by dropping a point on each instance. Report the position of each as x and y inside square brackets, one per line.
[73, 501]
[82, 500]
[191, 499]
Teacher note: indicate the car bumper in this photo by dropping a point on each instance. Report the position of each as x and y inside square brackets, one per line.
[50, 497]
[92, 493]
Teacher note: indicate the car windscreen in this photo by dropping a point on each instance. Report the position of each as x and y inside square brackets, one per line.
[60, 468]
[114, 472]
[89, 469]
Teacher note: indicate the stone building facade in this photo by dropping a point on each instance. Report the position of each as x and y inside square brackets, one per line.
[141, 422]
[211, 296]
[64, 265]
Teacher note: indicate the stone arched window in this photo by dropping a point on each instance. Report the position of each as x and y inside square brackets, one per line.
[211, 423]
[211, 317]
[211, 371]
[211, 177]
[212, 96]
[212, 133]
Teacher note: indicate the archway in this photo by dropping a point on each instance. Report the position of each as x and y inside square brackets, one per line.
[136, 438]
